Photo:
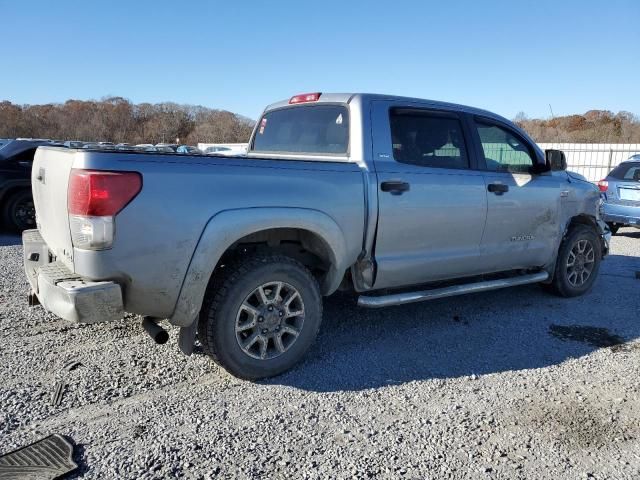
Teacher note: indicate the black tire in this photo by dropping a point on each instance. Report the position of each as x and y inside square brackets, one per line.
[224, 305]
[18, 212]
[614, 227]
[562, 284]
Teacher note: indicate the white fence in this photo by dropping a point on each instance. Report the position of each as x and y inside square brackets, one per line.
[594, 160]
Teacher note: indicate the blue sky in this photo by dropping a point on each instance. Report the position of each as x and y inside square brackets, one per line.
[506, 56]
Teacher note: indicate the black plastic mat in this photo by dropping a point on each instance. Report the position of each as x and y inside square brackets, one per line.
[45, 459]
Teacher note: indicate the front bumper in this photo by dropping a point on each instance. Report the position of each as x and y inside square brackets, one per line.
[621, 214]
[64, 293]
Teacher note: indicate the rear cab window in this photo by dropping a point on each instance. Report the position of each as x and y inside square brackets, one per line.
[627, 171]
[311, 129]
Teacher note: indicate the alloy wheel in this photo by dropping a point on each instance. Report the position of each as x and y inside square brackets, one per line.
[269, 320]
[580, 263]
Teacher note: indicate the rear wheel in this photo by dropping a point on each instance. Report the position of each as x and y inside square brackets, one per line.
[260, 319]
[18, 212]
[578, 262]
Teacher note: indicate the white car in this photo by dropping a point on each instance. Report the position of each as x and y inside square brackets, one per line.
[224, 151]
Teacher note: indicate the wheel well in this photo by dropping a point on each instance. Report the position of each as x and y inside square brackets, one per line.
[302, 245]
[582, 219]
[9, 192]
[590, 222]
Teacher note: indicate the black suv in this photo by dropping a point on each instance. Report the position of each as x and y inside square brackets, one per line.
[16, 204]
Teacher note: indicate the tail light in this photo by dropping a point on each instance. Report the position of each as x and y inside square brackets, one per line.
[94, 198]
[603, 185]
[305, 97]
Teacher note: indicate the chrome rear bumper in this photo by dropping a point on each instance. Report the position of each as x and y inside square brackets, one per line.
[62, 292]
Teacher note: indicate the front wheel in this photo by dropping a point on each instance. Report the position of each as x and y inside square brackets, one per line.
[261, 317]
[578, 262]
[613, 227]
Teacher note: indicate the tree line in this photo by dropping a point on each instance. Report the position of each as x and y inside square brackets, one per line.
[116, 119]
[595, 126]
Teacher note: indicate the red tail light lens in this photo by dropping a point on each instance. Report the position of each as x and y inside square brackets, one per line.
[305, 97]
[97, 193]
[603, 185]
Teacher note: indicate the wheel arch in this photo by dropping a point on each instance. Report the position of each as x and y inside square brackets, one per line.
[581, 219]
[232, 228]
[12, 187]
[9, 192]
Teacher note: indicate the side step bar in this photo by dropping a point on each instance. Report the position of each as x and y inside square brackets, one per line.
[413, 297]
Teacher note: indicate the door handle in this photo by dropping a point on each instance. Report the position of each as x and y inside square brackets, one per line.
[498, 188]
[395, 187]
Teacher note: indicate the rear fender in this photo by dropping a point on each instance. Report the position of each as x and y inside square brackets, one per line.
[229, 226]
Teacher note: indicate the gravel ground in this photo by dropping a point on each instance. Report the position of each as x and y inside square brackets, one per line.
[484, 386]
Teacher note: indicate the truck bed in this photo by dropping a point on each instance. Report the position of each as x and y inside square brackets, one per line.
[157, 234]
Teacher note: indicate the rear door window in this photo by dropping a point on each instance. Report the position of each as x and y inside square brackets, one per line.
[317, 129]
[427, 139]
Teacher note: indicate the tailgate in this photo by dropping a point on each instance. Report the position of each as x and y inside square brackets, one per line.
[49, 182]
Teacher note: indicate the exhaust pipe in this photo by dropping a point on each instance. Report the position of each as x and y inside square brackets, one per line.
[155, 331]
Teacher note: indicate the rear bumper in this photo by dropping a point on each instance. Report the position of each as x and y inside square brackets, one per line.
[62, 292]
[622, 214]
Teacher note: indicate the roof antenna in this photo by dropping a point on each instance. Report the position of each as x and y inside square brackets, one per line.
[552, 115]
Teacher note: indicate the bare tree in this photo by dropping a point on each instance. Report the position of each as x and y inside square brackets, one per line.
[116, 119]
[595, 126]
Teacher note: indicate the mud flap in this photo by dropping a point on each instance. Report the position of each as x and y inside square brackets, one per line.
[187, 337]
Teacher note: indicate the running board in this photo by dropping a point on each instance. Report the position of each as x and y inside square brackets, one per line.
[413, 297]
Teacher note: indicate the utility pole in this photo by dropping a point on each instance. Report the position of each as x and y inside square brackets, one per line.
[552, 116]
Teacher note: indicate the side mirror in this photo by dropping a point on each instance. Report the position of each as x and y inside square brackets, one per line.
[556, 160]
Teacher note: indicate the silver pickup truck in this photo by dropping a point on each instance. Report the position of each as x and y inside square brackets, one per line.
[395, 199]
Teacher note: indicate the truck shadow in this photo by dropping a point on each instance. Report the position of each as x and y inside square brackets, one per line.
[629, 232]
[479, 334]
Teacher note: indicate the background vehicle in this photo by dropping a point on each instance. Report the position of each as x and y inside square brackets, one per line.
[217, 150]
[166, 147]
[99, 145]
[16, 204]
[396, 199]
[74, 144]
[621, 193]
[188, 149]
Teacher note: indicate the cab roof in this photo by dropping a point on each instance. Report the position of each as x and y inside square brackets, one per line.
[368, 97]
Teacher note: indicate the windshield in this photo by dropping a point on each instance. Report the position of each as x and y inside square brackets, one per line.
[315, 129]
